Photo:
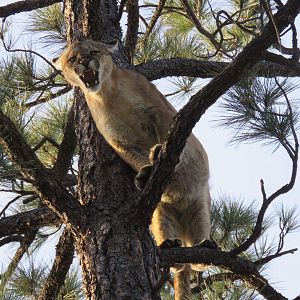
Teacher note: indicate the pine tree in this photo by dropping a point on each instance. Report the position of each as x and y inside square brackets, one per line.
[65, 183]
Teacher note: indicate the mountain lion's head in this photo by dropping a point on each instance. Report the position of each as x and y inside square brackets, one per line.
[86, 64]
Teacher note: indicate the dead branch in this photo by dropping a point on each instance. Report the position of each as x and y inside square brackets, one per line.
[267, 259]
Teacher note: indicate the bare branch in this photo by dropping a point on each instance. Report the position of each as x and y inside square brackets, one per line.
[22, 6]
[267, 259]
[8, 204]
[48, 97]
[208, 69]
[60, 267]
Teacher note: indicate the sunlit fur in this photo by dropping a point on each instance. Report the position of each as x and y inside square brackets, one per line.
[133, 116]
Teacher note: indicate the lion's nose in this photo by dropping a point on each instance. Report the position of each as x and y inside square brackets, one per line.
[84, 61]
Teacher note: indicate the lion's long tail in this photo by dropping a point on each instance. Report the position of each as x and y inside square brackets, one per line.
[182, 284]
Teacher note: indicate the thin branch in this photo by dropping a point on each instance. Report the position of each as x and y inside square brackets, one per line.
[22, 6]
[27, 241]
[154, 19]
[48, 97]
[43, 141]
[267, 259]
[60, 267]
[8, 204]
[8, 49]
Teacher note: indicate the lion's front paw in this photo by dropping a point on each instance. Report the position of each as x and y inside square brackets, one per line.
[207, 244]
[170, 243]
[142, 177]
[154, 152]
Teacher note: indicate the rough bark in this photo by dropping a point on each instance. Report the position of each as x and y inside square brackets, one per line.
[117, 254]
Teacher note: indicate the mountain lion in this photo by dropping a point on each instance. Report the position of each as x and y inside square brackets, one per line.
[133, 116]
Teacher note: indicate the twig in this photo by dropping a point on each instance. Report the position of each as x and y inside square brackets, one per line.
[27, 241]
[32, 52]
[8, 204]
[49, 97]
[283, 190]
[43, 141]
[267, 259]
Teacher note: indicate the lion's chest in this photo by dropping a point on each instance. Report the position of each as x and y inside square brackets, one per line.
[125, 120]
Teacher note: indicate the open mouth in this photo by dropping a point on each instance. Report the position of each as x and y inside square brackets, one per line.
[90, 78]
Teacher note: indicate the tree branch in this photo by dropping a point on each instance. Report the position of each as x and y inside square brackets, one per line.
[208, 69]
[132, 28]
[27, 241]
[60, 267]
[154, 18]
[67, 147]
[47, 186]
[22, 6]
[48, 97]
[201, 101]
[23, 222]
[245, 269]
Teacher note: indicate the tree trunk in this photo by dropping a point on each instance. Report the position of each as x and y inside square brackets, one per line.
[117, 254]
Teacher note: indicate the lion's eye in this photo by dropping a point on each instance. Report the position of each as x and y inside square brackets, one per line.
[72, 59]
[94, 52]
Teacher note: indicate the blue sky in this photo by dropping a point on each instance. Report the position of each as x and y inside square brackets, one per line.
[236, 171]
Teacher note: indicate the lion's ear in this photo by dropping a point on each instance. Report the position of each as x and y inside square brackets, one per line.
[112, 46]
[57, 63]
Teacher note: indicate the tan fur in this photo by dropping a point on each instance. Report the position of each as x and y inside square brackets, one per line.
[133, 116]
